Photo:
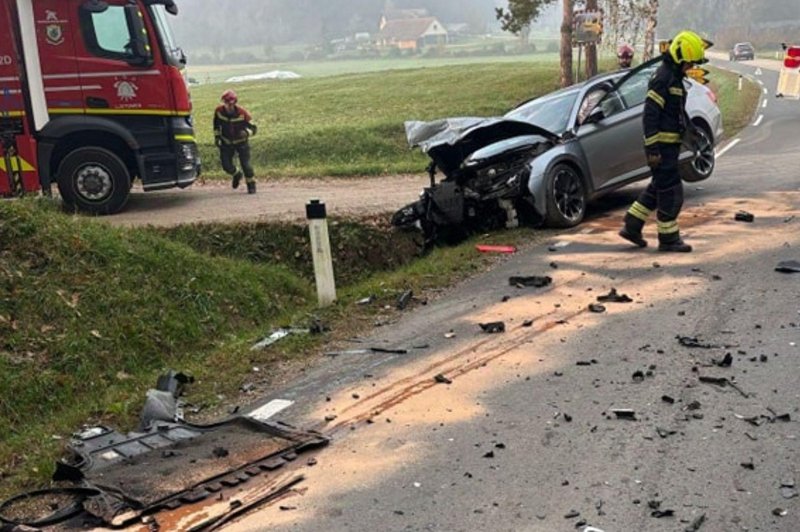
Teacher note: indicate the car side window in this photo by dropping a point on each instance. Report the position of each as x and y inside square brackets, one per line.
[633, 90]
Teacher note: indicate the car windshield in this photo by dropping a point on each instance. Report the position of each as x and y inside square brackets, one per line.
[550, 112]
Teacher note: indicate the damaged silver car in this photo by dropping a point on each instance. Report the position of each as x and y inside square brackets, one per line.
[545, 159]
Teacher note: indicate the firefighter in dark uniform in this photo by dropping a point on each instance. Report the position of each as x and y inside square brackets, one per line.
[665, 122]
[232, 129]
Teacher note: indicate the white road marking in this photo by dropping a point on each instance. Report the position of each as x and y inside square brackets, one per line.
[758, 120]
[730, 145]
[270, 409]
[765, 90]
[758, 71]
[561, 244]
[760, 83]
[765, 103]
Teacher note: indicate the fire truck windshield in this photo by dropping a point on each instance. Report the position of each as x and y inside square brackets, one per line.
[174, 54]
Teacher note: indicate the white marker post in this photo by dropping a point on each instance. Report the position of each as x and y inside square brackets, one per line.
[740, 82]
[321, 252]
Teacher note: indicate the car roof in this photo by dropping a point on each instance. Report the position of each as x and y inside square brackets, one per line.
[743, 44]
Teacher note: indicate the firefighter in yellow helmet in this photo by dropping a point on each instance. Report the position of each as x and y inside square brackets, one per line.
[665, 122]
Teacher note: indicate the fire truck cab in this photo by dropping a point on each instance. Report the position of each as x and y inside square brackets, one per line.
[93, 96]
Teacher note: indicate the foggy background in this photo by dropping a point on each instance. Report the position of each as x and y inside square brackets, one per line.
[243, 31]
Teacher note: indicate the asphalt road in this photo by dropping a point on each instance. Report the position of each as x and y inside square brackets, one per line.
[525, 437]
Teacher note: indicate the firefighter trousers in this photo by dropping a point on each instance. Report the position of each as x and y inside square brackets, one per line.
[226, 155]
[664, 195]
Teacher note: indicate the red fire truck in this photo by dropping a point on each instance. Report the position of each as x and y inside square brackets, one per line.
[92, 96]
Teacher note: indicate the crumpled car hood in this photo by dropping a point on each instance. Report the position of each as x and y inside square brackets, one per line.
[451, 140]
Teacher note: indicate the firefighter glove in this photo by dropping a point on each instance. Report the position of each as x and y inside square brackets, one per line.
[217, 141]
[253, 129]
[653, 160]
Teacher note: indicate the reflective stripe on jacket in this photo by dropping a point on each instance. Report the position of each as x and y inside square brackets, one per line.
[664, 107]
[232, 128]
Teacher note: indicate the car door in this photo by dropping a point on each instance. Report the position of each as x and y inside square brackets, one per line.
[592, 135]
[619, 145]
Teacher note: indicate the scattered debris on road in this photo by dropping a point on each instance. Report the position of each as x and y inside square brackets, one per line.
[694, 342]
[744, 216]
[404, 299]
[696, 524]
[788, 266]
[278, 334]
[614, 297]
[493, 327]
[485, 248]
[441, 379]
[533, 281]
[624, 413]
[596, 308]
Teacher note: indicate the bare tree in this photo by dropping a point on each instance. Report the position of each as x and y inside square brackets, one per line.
[566, 44]
[651, 18]
[591, 49]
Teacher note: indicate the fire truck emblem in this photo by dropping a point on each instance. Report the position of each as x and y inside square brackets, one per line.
[126, 90]
[54, 32]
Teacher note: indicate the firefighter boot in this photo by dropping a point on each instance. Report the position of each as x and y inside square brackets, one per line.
[251, 187]
[677, 246]
[237, 178]
[634, 222]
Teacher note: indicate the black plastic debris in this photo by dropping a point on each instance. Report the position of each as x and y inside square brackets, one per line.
[493, 327]
[404, 299]
[748, 465]
[668, 399]
[696, 524]
[167, 463]
[572, 514]
[596, 308]
[694, 342]
[489, 454]
[533, 281]
[726, 362]
[441, 379]
[788, 266]
[527, 323]
[638, 376]
[779, 512]
[744, 216]
[624, 413]
[658, 514]
[614, 297]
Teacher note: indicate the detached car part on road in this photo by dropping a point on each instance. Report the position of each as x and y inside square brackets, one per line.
[545, 159]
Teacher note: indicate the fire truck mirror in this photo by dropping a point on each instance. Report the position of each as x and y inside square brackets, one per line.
[139, 44]
[95, 6]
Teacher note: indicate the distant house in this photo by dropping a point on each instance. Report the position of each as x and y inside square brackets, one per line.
[411, 33]
[402, 14]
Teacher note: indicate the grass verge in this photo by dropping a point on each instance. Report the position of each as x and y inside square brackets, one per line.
[737, 107]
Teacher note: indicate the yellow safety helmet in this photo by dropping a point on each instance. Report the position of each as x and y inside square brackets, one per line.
[688, 47]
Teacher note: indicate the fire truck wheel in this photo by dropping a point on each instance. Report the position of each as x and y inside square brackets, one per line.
[94, 180]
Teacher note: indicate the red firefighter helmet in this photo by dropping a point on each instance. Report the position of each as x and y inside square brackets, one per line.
[229, 96]
[624, 51]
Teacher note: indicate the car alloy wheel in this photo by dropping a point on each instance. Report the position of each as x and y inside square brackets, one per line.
[567, 197]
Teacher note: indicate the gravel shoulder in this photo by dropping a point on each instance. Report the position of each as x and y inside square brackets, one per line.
[283, 199]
